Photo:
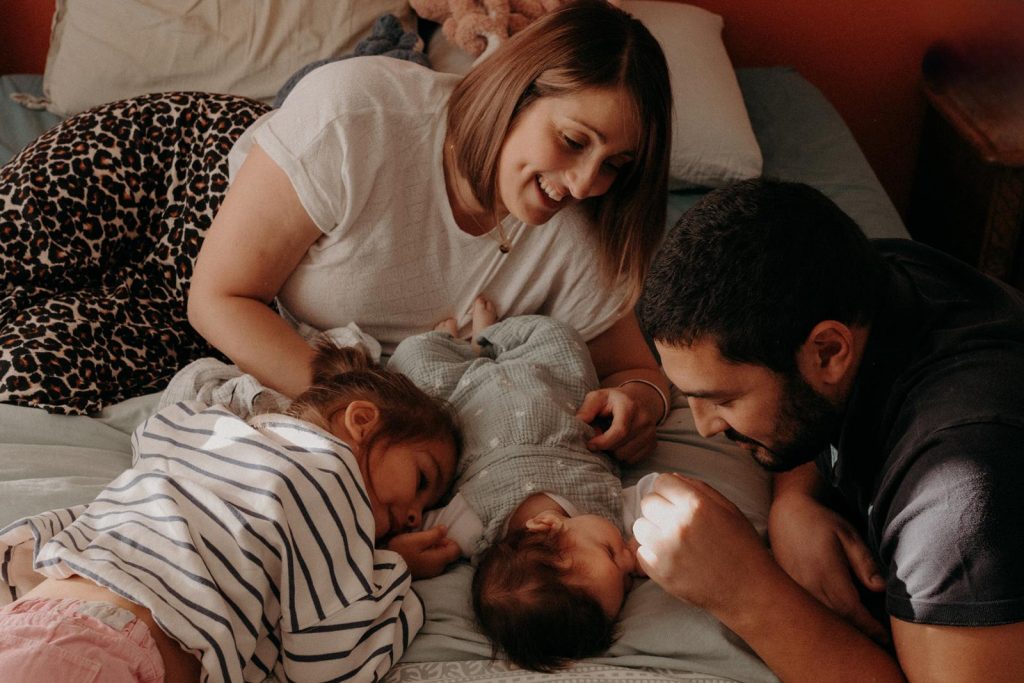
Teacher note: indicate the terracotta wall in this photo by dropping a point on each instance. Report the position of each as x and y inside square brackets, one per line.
[24, 35]
[865, 56]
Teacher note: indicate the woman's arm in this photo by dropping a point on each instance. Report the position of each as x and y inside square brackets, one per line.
[621, 355]
[258, 237]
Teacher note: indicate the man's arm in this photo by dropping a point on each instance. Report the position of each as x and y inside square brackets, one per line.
[820, 550]
[948, 653]
[699, 547]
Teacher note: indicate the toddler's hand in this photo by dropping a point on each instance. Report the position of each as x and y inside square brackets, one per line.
[426, 552]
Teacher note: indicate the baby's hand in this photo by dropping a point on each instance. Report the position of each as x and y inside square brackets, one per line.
[426, 552]
[633, 545]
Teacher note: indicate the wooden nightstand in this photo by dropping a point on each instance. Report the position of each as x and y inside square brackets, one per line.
[968, 195]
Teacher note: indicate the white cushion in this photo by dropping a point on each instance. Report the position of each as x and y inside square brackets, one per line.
[713, 143]
[105, 50]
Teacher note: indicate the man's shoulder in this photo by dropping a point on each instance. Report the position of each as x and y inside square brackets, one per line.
[979, 384]
[957, 420]
[948, 530]
[947, 346]
[937, 278]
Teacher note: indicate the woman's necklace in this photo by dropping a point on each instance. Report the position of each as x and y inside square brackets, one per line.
[504, 243]
[482, 228]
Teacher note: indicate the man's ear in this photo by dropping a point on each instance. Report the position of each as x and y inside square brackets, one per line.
[828, 355]
[544, 521]
[359, 419]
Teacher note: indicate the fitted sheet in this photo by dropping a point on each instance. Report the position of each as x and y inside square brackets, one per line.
[803, 138]
[20, 125]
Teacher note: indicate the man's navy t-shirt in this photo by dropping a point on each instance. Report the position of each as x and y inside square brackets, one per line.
[931, 452]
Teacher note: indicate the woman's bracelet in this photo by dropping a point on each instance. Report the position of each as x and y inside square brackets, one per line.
[664, 399]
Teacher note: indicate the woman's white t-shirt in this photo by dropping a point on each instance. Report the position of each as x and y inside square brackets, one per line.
[361, 141]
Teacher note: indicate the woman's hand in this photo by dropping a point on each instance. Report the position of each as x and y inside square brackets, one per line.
[426, 552]
[823, 553]
[625, 425]
[627, 411]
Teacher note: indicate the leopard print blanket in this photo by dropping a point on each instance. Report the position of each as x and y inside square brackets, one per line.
[101, 219]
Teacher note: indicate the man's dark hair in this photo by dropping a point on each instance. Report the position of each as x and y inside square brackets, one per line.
[753, 267]
[526, 608]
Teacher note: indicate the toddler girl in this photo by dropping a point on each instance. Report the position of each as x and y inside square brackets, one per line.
[236, 549]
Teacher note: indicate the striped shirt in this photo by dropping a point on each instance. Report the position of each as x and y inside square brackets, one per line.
[252, 543]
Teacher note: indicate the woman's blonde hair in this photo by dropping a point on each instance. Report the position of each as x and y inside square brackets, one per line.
[583, 45]
[406, 412]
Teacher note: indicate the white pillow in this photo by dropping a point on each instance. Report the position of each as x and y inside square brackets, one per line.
[105, 50]
[713, 143]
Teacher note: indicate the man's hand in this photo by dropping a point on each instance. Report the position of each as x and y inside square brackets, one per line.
[426, 552]
[823, 553]
[697, 545]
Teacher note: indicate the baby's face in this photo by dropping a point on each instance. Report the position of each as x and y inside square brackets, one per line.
[602, 562]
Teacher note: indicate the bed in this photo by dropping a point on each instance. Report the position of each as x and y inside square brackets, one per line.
[49, 461]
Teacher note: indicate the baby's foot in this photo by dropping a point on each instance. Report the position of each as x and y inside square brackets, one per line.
[483, 317]
[447, 325]
[483, 314]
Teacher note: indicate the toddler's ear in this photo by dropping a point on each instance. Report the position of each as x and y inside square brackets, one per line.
[359, 419]
[544, 521]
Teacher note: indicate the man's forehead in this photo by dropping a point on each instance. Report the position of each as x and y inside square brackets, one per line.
[700, 370]
[699, 354]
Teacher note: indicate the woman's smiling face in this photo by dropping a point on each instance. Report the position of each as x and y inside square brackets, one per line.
[563, 149]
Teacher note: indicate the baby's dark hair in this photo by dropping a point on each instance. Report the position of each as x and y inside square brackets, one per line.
[528, 610]
[407, 413]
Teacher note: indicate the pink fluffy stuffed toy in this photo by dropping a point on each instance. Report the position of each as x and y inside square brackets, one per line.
[480, 26]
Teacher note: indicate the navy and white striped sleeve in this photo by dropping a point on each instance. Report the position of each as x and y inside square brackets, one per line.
[362, 641]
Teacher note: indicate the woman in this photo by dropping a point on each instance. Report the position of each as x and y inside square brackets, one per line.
[339, 209]
[390, 195]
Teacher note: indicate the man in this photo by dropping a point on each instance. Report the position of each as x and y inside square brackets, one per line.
[881, 372]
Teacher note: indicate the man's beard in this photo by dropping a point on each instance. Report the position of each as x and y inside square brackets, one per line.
[807, 421]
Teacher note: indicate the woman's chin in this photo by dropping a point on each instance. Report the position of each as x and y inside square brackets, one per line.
[533, 216]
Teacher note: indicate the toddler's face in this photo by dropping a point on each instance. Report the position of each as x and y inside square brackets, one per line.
[602, 561]
[402, 480]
